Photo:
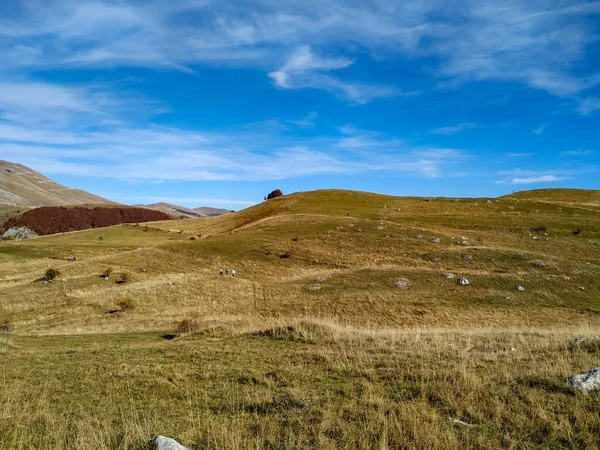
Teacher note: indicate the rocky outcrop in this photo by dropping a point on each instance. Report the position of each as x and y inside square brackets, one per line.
[18, 234]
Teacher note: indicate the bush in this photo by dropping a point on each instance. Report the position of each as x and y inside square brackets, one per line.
[275, 193]
[187, 326]
[51, 274]
[6, 327]
[126, 304]
[540, 228]
[106, 272]
[124, 278]
[286, 255]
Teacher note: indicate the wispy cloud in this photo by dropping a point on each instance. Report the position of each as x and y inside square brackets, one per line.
[453, 129]
[539, 130]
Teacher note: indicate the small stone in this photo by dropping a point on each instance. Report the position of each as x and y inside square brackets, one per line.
[105, 278]
[535, 238]
[540, 265]
[401, 284]
[388, 236]
[463, 281]
[468, 257]
[567, 279]
[450, 276]
[420, 236]
[63, 280]
[581, 288]
[144, 270]
[520, 289]
[170, 283]
[320, 279]
[436, 240]
[544, 294]
[314, 288]
[350, 225]
[465, 243]
[379, 228]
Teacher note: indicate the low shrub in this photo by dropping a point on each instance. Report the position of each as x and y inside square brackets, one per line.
[188, 326]
[51, 274]
[126, 304]
[106, 272]
[6, 327]
[124, 278]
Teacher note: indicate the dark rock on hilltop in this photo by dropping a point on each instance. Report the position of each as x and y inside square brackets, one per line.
[53, 219]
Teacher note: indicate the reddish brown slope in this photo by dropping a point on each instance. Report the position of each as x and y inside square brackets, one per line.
[53, 219]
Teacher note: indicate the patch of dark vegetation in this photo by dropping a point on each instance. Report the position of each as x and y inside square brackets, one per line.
[51, 274]
[6, 327]
[124, 278]
[277, 405]
[106, 272]
[53, 219]
[187, 326]
[169, 336]
[126, 304]
[540, 228]
[548, 385]
[302, 332]
[286, 255]
[577, 232]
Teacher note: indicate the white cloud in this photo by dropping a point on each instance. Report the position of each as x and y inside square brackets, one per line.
[539, 130]
[453, 129]
[539, 179]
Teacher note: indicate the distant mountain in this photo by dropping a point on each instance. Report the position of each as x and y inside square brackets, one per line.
[21, 186]
[211, 212]
[177, 210]
[174, 210]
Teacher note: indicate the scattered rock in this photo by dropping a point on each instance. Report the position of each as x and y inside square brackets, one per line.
[105, 278]
[468, 257]
[164, 443]
[540, 265]
[463, 281]
[388, 236]
[465, 243]
[544, 294]
[401, 284]
[420, 236]
[320, 280]
[144, 270]
[72, 258]
[170, 283]
[379, 228]
[459, 422]
[350, 225]
[520, 289]
[581, 288]
[436, 240]
[18, 234]
[450, 276]
[587, 382]
[314, 287]
[567, 279]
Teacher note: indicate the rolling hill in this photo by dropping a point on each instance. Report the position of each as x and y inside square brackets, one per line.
[21, 186]
[178, 210]
[345, 327]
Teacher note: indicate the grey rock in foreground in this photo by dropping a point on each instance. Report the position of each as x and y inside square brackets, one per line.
[18, 234]
[587, 382]
[164, 443]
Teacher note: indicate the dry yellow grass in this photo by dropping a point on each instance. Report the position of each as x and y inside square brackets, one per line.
[317, 350]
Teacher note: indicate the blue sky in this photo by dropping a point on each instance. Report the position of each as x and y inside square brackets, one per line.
[212, 102]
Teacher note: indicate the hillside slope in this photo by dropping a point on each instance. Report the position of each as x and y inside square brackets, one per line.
[23, 187]
[171, 209]
[560, 195]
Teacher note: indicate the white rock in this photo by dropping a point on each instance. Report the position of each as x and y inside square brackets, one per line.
[450, 276]
[587, 382]
[314, 287]
[436, 240]
[581, 288]
[170, 283]
[463, 281]
[164, 443]
[379, 228]
[401, 284]
[420, 236]
[459, 422]
[18, 234]
[520, 289]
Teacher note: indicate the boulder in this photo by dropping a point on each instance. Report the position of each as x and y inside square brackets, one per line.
[18, 234]
[275, 193]
[587, 382]
[164, 443]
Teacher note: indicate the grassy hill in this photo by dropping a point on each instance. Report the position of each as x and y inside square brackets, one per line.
[312, 344]
[577, 196]
[21, 186]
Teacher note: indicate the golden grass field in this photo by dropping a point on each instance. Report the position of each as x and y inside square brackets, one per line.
[319, 349]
